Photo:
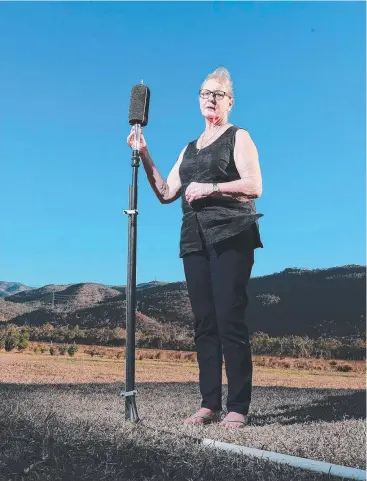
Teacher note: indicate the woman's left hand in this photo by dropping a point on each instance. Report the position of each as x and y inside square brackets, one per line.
[196, 191]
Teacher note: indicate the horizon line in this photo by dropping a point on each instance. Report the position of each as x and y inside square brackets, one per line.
[183, 280]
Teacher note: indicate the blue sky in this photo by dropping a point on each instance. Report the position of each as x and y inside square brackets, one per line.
[66, 74]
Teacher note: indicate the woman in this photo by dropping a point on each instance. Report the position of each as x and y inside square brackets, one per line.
[218, 177]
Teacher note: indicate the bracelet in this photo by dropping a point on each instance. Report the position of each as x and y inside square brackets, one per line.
[215, 188]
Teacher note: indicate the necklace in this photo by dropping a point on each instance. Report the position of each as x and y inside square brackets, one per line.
[207, 142]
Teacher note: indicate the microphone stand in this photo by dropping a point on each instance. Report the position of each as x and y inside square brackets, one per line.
[131, 412]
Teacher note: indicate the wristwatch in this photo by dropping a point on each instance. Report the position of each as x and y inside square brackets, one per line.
[215, 188]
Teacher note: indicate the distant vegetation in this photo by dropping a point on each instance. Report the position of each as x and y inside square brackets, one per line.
[15, 337]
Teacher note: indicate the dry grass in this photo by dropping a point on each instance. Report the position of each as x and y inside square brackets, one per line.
[85, 436]
[46, 369]
[86, 451]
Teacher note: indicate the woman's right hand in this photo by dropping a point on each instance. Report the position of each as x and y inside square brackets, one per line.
[131, 140]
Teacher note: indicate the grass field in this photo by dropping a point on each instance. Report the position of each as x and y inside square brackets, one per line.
[66, 414]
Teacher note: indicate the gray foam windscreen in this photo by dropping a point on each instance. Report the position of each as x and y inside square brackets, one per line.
[139, 105]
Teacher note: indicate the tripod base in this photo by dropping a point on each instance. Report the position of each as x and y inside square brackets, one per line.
[131, 411]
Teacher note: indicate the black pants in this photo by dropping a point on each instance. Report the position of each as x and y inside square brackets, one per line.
[217, 278]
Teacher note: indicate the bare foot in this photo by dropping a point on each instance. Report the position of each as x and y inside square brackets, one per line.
[203, 416]
[234, 420]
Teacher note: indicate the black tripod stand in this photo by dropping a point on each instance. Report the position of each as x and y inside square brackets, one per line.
[138, 118]
[131, 412]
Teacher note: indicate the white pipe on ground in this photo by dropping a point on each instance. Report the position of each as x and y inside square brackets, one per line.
[303, 463]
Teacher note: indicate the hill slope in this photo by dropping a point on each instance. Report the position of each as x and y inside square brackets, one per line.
[295, 301]
[9, 288]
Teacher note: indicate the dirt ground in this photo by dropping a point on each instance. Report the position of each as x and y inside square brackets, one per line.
[40, 369]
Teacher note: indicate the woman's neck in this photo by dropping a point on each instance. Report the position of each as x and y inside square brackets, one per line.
[213, 124]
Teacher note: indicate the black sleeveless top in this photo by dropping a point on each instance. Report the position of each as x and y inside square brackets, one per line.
[213, 218]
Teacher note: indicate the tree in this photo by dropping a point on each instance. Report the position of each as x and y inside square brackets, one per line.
[23, 342]
[12, 339]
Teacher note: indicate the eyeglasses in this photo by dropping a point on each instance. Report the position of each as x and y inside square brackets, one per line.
[217, 94]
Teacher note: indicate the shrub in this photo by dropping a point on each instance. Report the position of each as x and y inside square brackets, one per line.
[299, 364]
[72, 349]
[63, 349]
[261, 362]
[94, 352]
[188, 356]
[344, 368]
[53, 351]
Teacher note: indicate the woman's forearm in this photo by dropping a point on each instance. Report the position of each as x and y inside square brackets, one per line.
[158, 184]
[240, 189]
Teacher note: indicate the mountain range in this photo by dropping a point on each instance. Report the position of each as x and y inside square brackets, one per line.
[295, 301]
[9, 288]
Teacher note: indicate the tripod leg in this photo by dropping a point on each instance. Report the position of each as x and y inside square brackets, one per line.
[131, 412]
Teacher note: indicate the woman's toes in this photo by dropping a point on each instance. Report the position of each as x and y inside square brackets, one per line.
[234, 420]
[200, 417]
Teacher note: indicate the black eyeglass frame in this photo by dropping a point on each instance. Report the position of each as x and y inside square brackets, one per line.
[214, 93]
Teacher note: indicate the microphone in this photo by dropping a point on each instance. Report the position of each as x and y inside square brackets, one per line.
[138, 110]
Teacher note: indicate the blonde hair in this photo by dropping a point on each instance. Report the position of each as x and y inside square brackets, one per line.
[223, 76]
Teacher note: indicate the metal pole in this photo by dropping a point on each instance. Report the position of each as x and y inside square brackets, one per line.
[131, 412]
